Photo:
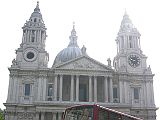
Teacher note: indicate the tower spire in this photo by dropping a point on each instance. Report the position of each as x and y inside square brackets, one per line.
[37, 7]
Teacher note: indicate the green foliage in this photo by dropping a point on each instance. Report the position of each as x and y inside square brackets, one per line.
[1, 115]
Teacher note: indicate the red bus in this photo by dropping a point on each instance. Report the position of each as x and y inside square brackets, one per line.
[95, 112]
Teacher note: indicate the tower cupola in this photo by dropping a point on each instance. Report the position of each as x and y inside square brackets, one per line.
[34, 30]
[128, 37]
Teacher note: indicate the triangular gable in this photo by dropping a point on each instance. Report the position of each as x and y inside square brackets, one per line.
[83, 63]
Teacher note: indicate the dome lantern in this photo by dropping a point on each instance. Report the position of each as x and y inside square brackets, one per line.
[71, 52]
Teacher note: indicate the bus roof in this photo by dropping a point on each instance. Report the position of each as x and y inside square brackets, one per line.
[105, 108]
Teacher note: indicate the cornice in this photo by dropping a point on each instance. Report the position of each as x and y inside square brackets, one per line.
[26, 72]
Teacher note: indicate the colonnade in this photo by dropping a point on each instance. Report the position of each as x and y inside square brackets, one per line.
[74, 88]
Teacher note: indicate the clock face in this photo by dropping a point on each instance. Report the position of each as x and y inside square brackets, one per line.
[134, 60]
[30, 54]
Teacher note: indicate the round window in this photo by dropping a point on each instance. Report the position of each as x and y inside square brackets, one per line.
[30, 55]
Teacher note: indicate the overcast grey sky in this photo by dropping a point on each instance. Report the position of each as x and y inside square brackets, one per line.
[97, 23]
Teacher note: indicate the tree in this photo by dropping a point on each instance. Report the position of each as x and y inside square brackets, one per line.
[1, 114]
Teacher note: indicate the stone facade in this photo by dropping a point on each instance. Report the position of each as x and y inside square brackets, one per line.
[37, 92]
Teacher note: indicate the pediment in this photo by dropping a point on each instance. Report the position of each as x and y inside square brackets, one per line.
[83, 63]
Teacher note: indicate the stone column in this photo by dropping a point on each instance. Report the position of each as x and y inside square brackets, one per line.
[10, 88]
[55, 88]
[77, 88]
[27, 38]
[44, 88]
[39, 96]
[120, 91]
[37, 116]
[126, 92]
[60, 87]
[111, 90]
[106, 88]
[72, 88]
[152, 93]
[95, 89]
[59, 116]
[42, 116]
[30, 36]
[35, 36]
[54, 116]
[14, 89]
[149, 96]
[6, 117]
[38, 36]
[90, 88]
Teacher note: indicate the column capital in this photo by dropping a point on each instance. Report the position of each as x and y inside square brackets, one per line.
[55, 75]
[77, 76]
[105, 77]
[60, 75]
[90, 76]
[72, 76]
[95, 77]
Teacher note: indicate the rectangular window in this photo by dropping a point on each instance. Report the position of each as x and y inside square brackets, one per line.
[115, 92]
[27, 90]
[136, 93]
[50, 89]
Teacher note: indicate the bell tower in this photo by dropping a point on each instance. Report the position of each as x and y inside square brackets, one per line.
[129, 54]
[31, 53]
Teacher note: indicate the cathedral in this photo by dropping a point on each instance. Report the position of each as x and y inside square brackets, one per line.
[37, 92]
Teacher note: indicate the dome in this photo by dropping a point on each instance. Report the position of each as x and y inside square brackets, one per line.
[71, 52]
[36, 13]
[68, 54]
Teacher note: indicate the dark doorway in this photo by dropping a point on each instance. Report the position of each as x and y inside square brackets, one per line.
[83, 92]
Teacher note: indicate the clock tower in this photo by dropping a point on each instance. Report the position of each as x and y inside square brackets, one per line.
[32, 54]
[129, 56]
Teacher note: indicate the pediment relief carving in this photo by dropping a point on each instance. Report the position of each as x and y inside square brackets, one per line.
[84, 64]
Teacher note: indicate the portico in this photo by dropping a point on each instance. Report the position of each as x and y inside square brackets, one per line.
[83, 88]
